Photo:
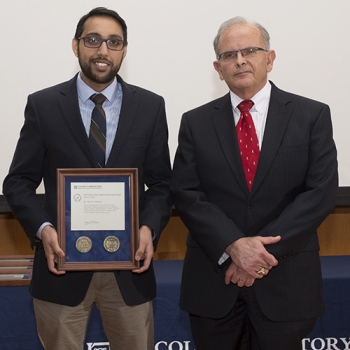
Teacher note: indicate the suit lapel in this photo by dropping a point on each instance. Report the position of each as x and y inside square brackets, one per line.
[127, 115]
[71, 112]
[70, 109]
[278, 117]
[224, 126]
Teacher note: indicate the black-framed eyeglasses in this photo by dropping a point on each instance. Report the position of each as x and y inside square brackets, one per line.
[94, 42]
[246, 52]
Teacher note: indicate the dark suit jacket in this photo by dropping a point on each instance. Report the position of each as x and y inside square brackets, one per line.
[294, 190]
[53, 136]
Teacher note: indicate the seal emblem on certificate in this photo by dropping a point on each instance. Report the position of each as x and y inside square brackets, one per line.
[98, 218]
[83, 244]
[111, 244]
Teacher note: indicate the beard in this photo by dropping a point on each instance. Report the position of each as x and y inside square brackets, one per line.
[86, 68]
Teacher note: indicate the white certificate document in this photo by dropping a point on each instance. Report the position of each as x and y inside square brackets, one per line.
[97, 206]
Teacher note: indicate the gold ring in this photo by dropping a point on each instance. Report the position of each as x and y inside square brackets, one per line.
[241, 281]
[261, 271]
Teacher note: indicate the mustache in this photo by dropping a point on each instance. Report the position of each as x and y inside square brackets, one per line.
[100, 59]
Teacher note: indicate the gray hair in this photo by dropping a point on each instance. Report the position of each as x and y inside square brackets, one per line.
[240, 20]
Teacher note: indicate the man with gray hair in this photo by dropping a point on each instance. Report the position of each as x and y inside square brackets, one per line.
[255, 174]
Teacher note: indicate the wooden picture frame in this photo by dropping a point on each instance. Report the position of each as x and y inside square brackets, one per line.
[97, 218]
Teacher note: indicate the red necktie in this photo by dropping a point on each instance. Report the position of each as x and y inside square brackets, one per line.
[248, 142]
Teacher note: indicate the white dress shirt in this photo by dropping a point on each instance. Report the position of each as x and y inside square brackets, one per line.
[259, 115]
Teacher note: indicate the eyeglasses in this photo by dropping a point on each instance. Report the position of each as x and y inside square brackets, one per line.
[94, 42]
[246, 53]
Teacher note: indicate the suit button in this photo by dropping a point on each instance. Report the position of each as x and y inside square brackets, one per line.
[250, 205]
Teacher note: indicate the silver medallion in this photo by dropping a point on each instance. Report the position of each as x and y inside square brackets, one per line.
[111, 244]
[83, 244]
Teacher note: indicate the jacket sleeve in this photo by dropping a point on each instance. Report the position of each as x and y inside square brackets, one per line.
[298, 222]
[156, 209]
[25, 174]
[210, 228]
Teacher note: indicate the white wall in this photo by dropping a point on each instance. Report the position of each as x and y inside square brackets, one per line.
[170, 52]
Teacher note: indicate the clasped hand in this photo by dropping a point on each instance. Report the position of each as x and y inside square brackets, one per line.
[250, 260]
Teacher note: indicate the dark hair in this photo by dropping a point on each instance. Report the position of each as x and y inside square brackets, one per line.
[104, 12]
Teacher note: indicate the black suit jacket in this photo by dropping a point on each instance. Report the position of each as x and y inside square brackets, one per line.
[53, 136]
[294, 190]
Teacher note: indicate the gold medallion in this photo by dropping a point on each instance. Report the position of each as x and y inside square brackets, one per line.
[111, 244]
[83, 244]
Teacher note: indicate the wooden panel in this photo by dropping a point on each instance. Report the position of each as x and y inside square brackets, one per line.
[334, 234]
[13, 239]
[172, 243]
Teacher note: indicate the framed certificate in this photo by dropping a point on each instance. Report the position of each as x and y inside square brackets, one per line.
[97, 218]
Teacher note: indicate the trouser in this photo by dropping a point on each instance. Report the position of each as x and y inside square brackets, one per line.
[62, 327]
[247, 328]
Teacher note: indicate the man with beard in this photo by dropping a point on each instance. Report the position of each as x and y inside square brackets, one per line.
[56, 135]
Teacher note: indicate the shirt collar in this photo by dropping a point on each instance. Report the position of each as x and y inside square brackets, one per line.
[85, 91]
[260, 99]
